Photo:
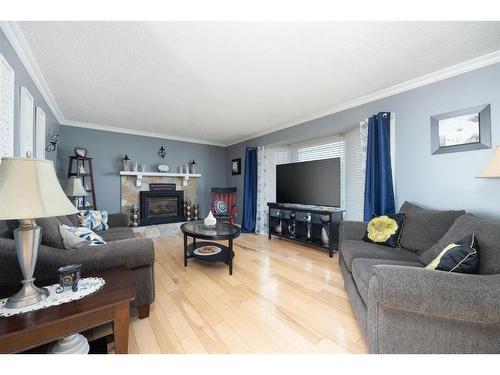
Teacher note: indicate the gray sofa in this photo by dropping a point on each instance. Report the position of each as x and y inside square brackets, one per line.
[402, 307]
[122, 248]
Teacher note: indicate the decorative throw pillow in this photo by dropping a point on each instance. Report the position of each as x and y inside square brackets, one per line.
[462, 256]
[95, 220]
[220, 207]
[385, 230]
[76, 237]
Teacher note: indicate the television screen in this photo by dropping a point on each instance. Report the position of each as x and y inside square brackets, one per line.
[312, 182]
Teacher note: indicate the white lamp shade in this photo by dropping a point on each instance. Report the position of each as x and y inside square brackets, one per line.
[493, 167]
[74, 188]
[29, 189]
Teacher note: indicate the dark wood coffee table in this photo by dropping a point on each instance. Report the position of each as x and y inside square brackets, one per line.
[111, 303]
[221, 231]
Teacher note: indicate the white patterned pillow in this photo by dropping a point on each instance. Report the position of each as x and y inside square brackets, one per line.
[76, 237]
[95, 220]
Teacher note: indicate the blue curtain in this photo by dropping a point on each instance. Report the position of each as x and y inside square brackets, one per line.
[250, 191]
[379, 192]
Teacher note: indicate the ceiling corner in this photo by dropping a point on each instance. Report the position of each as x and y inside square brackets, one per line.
[16, 38]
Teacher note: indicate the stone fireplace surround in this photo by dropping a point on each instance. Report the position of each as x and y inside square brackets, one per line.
[130, 192]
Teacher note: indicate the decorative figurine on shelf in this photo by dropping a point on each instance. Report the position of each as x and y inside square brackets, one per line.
[163, 168]
[81, 169]
[162, 151]
[192, 167]
[69, 276]
[53, 139]
[134, 215]
[210, 220]
[196, 212]
[185, 169]
[142, 167]
[307, 218]
[292, 225]
[126, 164]
[80, 151]
[325, 228]
[135, 167]
[279, 228]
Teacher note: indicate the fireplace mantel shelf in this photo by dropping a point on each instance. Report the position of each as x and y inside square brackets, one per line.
[140, 175]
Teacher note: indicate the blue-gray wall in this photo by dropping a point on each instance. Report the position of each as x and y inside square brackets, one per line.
[436, 181]
[23, 79]
[108, 148]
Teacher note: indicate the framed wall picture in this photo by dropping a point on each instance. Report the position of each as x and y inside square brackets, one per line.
[236, 166]
[26, 117]
[464, 130]
[39, 133]
[7, 77]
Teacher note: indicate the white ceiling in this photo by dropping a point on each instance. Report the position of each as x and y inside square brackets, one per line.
[225, 82]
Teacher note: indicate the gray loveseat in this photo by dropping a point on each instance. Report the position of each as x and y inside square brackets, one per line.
[122, 248]
[402, 307]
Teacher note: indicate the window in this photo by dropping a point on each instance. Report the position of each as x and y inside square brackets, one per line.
[274, 156]
[333, 147]
[354, 176]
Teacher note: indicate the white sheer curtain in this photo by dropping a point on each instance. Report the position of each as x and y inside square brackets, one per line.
[261, 226]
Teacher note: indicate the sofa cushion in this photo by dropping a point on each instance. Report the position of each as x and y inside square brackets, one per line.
[50, 230]
[73, 219]
[116, 234]
[362, 272]
[352, 249]
[488, 238]
[423, 227]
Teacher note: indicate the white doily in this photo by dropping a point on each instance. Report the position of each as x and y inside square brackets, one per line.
[86, 286]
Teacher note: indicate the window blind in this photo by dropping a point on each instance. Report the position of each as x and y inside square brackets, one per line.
[354, 176]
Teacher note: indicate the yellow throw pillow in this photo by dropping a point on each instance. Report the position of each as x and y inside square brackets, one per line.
[385, 230]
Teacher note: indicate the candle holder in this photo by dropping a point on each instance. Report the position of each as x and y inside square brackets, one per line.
[307, 218]
[325, 230]
[292, 225]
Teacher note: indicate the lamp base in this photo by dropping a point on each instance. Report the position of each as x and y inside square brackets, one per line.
[28, 295]
[72, 344]
[27, 238]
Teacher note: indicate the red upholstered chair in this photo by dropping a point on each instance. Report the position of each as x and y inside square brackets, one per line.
[224, 204]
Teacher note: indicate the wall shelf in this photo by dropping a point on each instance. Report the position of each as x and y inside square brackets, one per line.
[139, 175]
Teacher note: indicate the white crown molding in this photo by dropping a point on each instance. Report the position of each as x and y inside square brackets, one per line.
[16, 38]
[451, 71]
[141, 133]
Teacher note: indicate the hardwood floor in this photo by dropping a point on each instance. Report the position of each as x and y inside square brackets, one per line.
[281, 298]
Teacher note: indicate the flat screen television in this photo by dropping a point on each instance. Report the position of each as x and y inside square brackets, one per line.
[310, 183]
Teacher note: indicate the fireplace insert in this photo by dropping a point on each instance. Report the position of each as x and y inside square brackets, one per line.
[161, 207]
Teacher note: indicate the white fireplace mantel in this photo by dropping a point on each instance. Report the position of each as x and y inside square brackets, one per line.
[139, 175]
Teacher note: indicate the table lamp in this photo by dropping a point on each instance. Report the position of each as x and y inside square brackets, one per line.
[29, 189]
[74, 189]
[493, 167]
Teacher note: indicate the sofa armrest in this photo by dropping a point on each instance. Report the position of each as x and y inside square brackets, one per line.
[352, 230]
[117, 220]
[472, 298]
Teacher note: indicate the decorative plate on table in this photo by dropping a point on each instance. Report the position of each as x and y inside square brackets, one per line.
[207, 250]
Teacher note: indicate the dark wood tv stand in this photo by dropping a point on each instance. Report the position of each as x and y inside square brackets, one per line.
[331, 215]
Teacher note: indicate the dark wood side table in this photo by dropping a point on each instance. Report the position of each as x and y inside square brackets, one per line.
[111, 303]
